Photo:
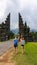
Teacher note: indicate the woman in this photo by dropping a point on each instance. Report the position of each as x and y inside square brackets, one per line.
[22, 44]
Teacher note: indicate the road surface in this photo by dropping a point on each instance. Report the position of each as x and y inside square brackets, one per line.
[5, 46]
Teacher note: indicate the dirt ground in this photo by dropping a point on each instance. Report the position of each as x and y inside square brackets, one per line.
[6, 58]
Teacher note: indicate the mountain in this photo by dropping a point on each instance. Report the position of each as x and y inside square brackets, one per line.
[33, 30]
[15, 31]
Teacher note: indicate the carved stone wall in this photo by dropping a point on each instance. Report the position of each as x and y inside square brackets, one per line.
[5, 29]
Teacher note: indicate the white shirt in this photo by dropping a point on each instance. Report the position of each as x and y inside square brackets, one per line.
[22, 42]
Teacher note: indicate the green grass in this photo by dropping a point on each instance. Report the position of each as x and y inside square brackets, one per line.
[29, 57]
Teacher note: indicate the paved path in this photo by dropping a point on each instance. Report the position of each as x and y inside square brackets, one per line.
[6, 58]
[5, 46]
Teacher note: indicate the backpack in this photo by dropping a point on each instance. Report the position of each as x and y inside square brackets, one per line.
[15, 41]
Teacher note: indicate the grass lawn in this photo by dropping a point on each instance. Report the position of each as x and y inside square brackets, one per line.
[29, 57]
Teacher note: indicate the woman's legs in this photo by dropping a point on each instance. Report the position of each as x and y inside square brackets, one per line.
[22, 49]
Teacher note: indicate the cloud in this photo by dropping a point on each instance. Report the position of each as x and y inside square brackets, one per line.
[2, 7]
[27, 8]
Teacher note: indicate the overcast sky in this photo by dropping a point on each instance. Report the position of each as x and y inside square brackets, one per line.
[27, 9]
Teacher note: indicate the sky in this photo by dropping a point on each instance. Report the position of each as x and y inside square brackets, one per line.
[27, 9]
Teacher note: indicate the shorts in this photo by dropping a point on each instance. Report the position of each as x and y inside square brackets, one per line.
[22, 45]
[15, 45]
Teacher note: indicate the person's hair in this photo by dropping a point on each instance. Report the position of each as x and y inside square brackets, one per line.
[23, 38]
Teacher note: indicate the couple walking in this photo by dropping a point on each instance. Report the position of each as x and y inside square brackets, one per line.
[22, 42]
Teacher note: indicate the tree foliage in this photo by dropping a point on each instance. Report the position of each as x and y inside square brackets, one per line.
[11, 35]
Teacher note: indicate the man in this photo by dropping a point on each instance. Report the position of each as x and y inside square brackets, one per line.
[15, 44]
